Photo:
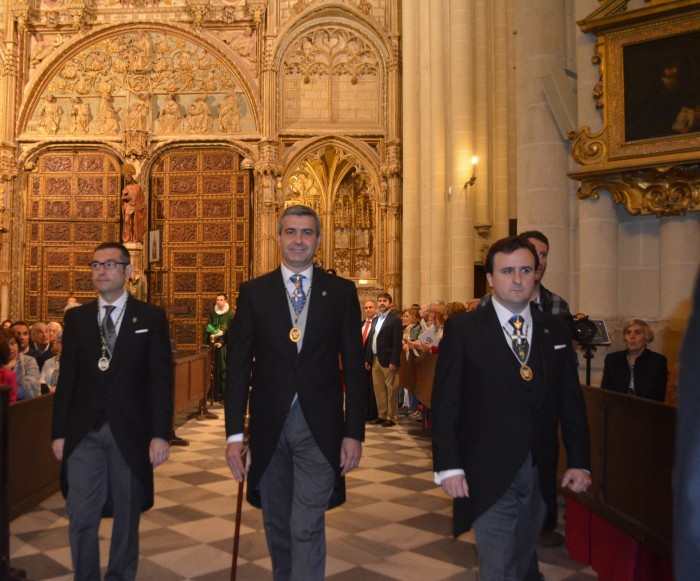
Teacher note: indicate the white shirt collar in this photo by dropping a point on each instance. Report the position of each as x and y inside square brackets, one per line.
[286, 273]
[119, 303]
[505, 314]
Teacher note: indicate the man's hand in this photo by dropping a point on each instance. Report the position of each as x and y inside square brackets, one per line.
[158, 451]
[456, 486]
[57, 447]
[393, 368]
[368, 367]
[350, 453]
[576, 480]
[236, 462]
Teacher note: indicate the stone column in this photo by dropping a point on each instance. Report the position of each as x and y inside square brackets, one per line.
[411, 263]
[598, 234]
[435, 270]
[391, 174]
[10, 184]
[461, 219]
[267, 204]
[500, 207]
[543, 197]
[678, 249]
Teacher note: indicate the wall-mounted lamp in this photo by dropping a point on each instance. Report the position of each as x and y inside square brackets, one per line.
[472, 180]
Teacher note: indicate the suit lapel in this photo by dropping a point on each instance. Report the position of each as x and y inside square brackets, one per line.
[317, 308]
[543, 337]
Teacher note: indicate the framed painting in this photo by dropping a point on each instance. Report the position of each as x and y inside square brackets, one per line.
[651, 80]
[154, 246]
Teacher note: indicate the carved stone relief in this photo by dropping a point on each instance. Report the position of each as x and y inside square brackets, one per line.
[331, 75]
[141, 82]
[334, 183]
[355, 225]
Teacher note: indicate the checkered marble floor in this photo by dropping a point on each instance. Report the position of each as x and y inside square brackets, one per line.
[395, 525]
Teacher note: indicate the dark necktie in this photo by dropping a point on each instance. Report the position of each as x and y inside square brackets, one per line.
[108, 328]
[520, 344]
[298, 296]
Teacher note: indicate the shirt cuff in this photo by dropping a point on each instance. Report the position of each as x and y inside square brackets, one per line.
[440, 476]
[235, 438]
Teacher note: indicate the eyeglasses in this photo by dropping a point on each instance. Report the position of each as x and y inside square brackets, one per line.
[108, 264]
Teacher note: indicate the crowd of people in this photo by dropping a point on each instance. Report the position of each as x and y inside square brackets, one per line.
[29, 357]
[497, 375]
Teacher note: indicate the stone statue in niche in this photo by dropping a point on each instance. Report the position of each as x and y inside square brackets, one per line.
[79, 117]
[139, 116]
[230, 114]
[133, 211]
[199, 120]
[170, 117]
[50, 115]
[107, 115]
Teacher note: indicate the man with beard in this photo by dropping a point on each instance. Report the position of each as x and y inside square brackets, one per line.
[383, 357]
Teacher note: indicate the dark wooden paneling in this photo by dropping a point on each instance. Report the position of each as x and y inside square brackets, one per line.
[632, 452]
[33, 471]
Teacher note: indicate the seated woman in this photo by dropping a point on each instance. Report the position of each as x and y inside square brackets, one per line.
[27, 371]
[49, 373]
[411, 329]
[636, 370]
[7, 377]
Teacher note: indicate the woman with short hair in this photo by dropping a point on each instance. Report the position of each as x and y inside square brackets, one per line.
[636, 370]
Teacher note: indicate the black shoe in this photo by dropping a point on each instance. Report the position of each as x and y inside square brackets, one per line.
[370, 420]
[388, 424]
[550, 539]
[379, 421]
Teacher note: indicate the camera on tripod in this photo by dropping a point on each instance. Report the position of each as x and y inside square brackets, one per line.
[583, 329]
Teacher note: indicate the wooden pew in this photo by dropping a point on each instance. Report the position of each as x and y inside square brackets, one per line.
[33, 472]
[632, 452]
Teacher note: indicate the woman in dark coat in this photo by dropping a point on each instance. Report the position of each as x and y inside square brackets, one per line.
[636, 370]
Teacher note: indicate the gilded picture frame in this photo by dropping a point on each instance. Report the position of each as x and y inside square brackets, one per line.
[646, 154]
[653, 81]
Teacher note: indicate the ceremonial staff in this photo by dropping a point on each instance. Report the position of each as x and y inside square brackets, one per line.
[239, 500]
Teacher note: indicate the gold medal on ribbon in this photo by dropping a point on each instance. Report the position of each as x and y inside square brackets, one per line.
[103, 364]
[295, 334]
[526, 372]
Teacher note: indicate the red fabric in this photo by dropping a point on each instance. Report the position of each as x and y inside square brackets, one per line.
[653, 567]
[8, 378]
[614, 555]
[365, 331]
[578, 531]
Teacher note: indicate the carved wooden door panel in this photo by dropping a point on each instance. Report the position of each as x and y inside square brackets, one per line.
[201, 203]
[72, 206]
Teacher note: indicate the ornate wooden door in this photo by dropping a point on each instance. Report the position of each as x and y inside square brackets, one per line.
[72, 206]
[201, 204]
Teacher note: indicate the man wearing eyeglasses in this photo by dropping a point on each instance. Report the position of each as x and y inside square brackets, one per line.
[112, 415]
